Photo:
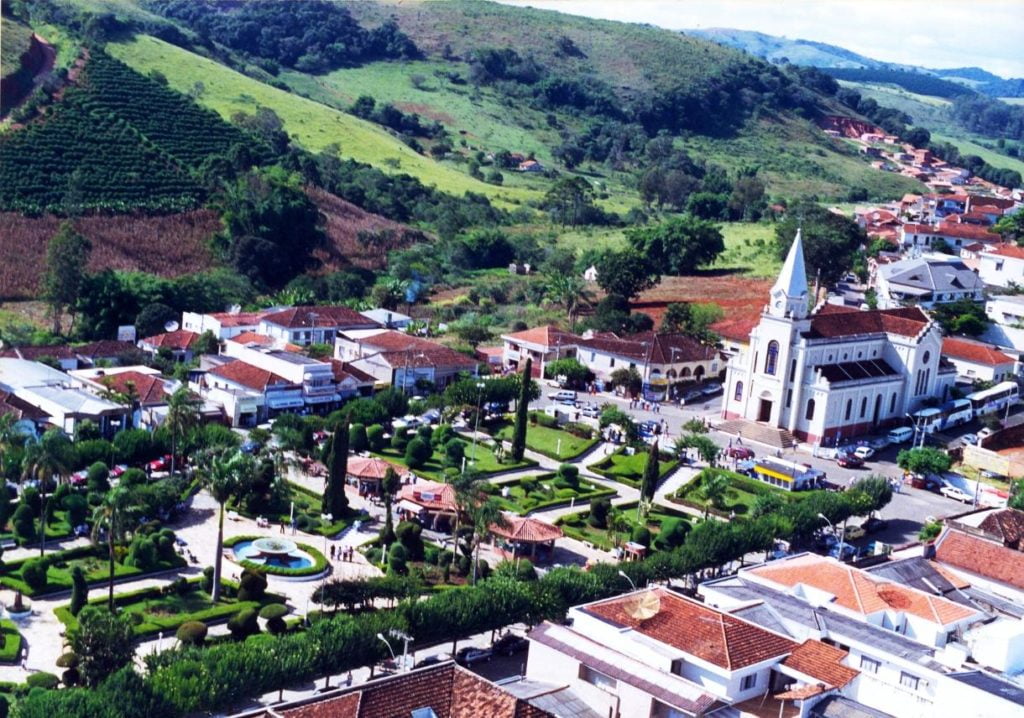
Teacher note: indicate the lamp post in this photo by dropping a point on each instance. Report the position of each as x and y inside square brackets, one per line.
[626, 576]
[405, 638]
[917, 429]
[832, 526]
[391, 650]
[476, 427]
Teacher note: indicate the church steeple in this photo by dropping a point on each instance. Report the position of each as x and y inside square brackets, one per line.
[789, 295]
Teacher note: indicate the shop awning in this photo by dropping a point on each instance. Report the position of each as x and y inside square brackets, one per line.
[285, 402]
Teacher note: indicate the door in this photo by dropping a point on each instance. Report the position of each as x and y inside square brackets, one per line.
[764, 412]
[878, 410]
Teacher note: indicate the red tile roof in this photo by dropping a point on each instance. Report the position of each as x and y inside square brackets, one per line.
[371, 468]
[981, 556]
[653, 347]
[1007, 525]
[834, 321]
[860, 591]
[106, 348]
[55, 351]
[19, 408]
[399, 348]
[176, 340]
[719, 638]
[526, 530]
[302, 317]
[238, 319]
[247, 375]
[735, 329]
[548, 337]
[343, 370]
[149, 388]
[430, 495]
[975, 352]
[251, 337]
[822, 663]
[1007, 250]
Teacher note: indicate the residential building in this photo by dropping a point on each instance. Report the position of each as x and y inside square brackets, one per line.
[734, 334]
[541, 344]
[835, 372]
[68, 358]
[59, 397]
[656, 653]
[62, 355]
[1006, 314]
[442, 691]
[141, 388]
[388, 318]
[977, 361]
[178, 343]
[954, 235]
[247, 394]
[351, 382]
[982, 549]
[223, 325]
[1002, 266]
[314, 378]
[402, 360]
[312, 325]
[664, 361]
[925, 282]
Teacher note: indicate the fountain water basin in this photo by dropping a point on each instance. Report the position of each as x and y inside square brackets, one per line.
[277, 552]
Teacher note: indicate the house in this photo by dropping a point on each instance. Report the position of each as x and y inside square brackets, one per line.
[953, 234]
[734, 334]
[249, 394]
[223, 325]
[402, 360]
[977, 361]
[445, 690]
[530, 166]
[1006, 314]
[664, 361]
[315, 379]
[1002, 266]
[350, 381]
[833, 373]
[59, 397]
[975, 548]
[656, 653]
[178, 343]
[388, 318]
[925, 282]
[107, 351]
[892, 633]
[541, 344]
[141, 388]
[312, 325]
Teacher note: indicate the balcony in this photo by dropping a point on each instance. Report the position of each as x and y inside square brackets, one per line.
[316, 389]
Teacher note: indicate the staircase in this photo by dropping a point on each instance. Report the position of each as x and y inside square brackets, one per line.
[759, 433]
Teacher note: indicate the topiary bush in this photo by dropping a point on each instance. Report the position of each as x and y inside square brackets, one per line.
[207, 581]
[570, 474]
[243, 624]
[252, 585]
[375, 437]
[599, 509]
[357, 440]
[192, 633]
[417, 452]
[409, 534]
[44, 680]
[33, 572]
[274, 616]
[397, 557]
[641, 535]
[400, 440]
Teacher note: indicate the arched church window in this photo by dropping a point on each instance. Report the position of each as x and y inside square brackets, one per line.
[771, 358]
[739, 391]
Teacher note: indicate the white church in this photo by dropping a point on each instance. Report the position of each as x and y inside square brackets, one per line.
[836, 372]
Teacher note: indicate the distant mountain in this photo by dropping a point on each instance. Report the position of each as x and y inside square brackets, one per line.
[819, 54]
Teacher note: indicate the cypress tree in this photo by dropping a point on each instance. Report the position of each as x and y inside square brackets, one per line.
[79, 590]
[522, 409]
[335, 502]
[650, 481]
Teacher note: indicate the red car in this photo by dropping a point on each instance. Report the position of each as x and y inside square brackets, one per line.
[161, 464]
[849, 461]
[739, 452]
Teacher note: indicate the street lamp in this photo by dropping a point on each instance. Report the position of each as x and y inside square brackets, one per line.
[914, 421]
[327, 519]
[626, 576]
[476, 428]
[824, 518]
[405, 638]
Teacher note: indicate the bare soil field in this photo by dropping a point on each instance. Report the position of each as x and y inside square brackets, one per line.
[741, 297]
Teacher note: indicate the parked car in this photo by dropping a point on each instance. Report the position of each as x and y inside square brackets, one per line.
[853, 533]
[969, 440]
[864, 452]
[79, 477]
[848, 552]
[432, 660]
[591, 411]
[470, 655]
[711, 389]
[873, 523]
[985, 432]
[693, 395]
[509, 645]
[431, 416]
[739, 452]
[952, 492]
[993, 475]
[118, 471]
[161, 464]
[250, 447]
[849, 461]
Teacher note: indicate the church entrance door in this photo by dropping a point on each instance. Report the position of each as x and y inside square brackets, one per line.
[764, 412]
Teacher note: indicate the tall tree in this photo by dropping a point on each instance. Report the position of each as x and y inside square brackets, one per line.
[626, 273]
[103, 642]
[651, 471]
[111, 516]
[831, 241]
[522, 410]
[335, 501]
[571, 292]
[483, 515]
[67, 255]
[678, 246]
[713, 487]
[182, 415]
[389, 486]
[50, 458]
[225, 476]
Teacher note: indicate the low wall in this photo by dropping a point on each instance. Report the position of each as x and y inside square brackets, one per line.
[988, 460]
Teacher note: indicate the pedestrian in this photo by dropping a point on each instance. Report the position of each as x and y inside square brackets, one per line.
[282, 527]
[332, 552]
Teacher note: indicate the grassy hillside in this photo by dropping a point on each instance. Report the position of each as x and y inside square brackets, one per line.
[16, 37]
[311, 124]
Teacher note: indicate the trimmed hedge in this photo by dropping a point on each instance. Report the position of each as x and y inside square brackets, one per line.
[601, 468]
[597, 492]
[11, 649]
[318, 567]
[59, 578]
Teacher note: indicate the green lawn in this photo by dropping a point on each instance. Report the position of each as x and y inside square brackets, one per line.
[479, 457]
[155, 611]
[11, 648]
[308, 509]
[526, 495]
[749, 248]
[629, 469]
[58, 576]
[310, 123]
[576, 525]
[739, 498]
[967, 147]
[553, 443]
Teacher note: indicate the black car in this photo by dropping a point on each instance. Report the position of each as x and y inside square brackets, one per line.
[470, 655]
[509, 645]
[430, 661]
[874, 524]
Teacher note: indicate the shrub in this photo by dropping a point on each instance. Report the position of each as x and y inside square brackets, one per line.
[142, 554]
[445, 558]
[375, 437]
[409, 535]
[93, 452]
[77, 508]
[23, 523]
[547, 421]
[374, 555]
[133, 477]
[400, 440]
[79, 591]
[273, 610]
[583, 431]
[252, 585]
[454, 452]
[570, 474]
[442, 434]
[417, 452]
[431, 554]
[243, 624]
[397, 558]
[673, 533]
[425, 432]
[33, 572]
[641, 535]
[520, 570]
[599, 509]
[44, 680]
[192, 633]
[357, 440]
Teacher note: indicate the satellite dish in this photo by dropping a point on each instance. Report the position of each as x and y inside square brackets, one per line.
[644, 606]
[234, 309]
[171, 326]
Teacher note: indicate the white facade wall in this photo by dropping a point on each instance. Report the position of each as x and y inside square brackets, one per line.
[1000, 271]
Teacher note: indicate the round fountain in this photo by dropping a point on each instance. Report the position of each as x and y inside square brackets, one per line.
[273, 552]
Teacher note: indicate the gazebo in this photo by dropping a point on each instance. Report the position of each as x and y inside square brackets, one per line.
[522, 532]
[366, 473]
[429, 503]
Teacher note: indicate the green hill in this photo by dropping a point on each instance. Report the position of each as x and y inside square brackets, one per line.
[16, 39]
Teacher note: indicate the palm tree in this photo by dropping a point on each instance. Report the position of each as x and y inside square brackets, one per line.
[225, 476]
[110, 516]
[11, 435]
[713, 487]
[483, 515]
[571, 292]
[182, 415]
[618, 525]
[45, 459]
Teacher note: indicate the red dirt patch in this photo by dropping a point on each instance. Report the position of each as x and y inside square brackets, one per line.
[425, 111]
[358, 237]
[740, 297]
[169, 245]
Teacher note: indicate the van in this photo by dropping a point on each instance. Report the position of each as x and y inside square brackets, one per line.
[901, 435]
[563, 396]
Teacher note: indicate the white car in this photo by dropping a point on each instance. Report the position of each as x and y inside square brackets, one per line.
[952, 492]
[969, 439]
[864, 452]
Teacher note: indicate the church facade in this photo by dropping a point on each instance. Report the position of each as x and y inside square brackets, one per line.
[836, 372]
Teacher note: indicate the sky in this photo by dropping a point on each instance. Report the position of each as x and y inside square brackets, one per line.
[932, 33]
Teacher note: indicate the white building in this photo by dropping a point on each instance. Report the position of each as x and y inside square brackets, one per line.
[303, 326]
[401, 360]
[977, 361]
[540, 344]
[223, 325]
[925, 282]
[837, 372]
[1002, 266]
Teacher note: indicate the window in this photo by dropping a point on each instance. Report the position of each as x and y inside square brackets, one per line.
[748, 682]
[909, 681]
[771, 359]
[849, 409]
[789, 398]
[926, 357]
[596, 678]
[738, 394]
[869, 665]
[810, 410]
[591, 356]
[611, 362]
[892, 403]
[792, 370]
[863, 407]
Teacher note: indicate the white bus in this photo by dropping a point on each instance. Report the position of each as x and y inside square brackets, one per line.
[999, 397]
[928, 420]
[956, 412]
